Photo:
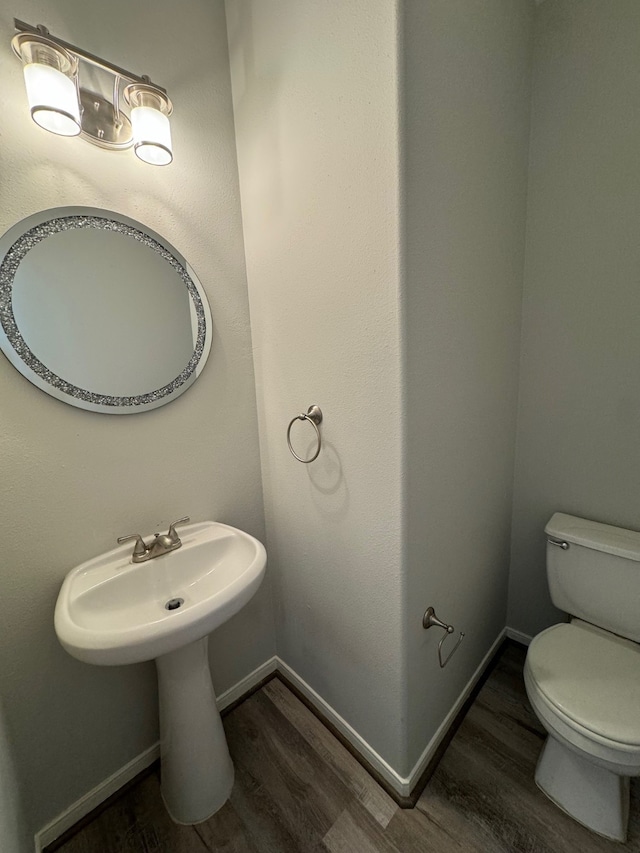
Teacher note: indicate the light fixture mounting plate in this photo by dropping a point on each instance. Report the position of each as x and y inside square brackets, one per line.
[99, 123]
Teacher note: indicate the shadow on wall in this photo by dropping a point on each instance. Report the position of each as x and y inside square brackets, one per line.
[13, 835]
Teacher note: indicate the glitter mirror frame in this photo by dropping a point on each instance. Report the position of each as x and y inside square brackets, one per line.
[15, 245]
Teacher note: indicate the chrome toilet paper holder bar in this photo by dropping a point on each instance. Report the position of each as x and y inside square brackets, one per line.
[429, 620]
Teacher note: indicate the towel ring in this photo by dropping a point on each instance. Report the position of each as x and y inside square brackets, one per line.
[314, 416]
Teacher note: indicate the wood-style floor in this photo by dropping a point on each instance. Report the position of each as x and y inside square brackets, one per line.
[298, 790]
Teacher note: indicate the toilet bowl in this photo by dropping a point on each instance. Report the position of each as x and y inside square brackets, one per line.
[583, 677]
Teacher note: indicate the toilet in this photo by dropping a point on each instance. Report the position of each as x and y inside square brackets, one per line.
[583, 677]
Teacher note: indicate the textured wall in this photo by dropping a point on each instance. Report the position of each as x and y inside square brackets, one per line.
[315, 103]
[14, 834]
[579, 417]
[467, 88]
[73, 481]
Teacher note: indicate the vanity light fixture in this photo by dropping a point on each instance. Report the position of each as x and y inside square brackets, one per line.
[53, 72]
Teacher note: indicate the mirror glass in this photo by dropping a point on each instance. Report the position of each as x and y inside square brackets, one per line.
[99, 311]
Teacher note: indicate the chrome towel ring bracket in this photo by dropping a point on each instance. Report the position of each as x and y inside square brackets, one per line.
[314, 416]
[429, 620]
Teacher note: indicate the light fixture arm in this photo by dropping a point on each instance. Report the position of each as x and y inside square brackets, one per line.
[92, 59]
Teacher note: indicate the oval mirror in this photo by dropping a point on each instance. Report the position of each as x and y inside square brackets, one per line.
[99, 311]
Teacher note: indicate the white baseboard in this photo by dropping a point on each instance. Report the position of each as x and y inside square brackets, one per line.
[518, 636]
[403, 786]
[93, 798]
[246, 684]
[357, 742]
[446, 724]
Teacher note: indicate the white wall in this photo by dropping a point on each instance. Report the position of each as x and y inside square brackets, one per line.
[14, 835]
[322, 172]
[315, 91]
[466, 108]
[579, 418]
[72, 481]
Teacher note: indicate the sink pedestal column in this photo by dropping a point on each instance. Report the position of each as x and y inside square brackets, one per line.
[197, 773]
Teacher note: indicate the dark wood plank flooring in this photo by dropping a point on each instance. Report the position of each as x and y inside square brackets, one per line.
[298, 790]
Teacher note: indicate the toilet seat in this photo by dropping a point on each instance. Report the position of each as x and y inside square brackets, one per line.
[584, 684]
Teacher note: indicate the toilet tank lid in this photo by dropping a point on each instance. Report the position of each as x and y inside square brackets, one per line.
[594, 535]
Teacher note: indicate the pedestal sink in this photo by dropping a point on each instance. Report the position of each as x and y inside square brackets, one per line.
[111, 611]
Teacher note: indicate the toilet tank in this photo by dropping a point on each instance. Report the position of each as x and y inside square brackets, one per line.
[596, 577]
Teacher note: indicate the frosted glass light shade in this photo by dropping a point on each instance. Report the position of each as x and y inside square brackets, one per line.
[151, 136]
[53, 99]
[150, 111]
[49, 76]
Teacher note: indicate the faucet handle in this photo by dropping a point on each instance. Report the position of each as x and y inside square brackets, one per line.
[172, 529]
[139, 549]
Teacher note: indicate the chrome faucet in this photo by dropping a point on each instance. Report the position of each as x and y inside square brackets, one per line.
[162, 543]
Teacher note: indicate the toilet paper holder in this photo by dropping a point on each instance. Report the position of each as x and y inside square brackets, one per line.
[429, 620]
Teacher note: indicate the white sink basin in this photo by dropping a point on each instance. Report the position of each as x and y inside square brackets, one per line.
[112, 611]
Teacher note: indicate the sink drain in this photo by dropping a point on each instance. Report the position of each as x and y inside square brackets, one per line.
[174, 603]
